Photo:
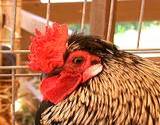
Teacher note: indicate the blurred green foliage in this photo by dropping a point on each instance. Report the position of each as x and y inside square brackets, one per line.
[77, 28]
[121, 27]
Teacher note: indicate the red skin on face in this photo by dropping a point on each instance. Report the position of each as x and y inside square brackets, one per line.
[47, 51]
[56, 88]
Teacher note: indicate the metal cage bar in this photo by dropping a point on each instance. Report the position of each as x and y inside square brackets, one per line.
[140, 22]
[15, 51]
[111, 19]
[20, 75]
[134, 51]
[83, 15]
[28, 51]
[48, 12]
[13, 70]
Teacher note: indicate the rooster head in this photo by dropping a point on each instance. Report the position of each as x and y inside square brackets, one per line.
[67, 62]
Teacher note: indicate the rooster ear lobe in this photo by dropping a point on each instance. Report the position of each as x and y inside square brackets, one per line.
[92, 71]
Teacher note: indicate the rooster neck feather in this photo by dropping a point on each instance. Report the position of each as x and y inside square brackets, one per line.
[93, 45]
[127, 91]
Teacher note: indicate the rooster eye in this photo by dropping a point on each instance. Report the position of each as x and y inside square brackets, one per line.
[78, 60]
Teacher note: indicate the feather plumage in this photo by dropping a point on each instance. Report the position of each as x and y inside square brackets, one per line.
[127, 91]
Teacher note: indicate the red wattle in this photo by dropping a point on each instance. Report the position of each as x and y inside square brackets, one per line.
[55, 89]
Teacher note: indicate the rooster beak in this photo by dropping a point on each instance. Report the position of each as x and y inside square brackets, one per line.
[55, 72]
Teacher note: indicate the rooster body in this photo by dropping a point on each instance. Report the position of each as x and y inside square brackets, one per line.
[100, 85]
[127, 91]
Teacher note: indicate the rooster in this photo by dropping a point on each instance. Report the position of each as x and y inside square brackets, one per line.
[88, 81]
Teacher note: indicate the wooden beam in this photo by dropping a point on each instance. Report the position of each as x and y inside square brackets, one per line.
[127, 10]
[29, 22]
[60, 12]
[99, 17]
[103, 18]
[1, 20]
[0, 55]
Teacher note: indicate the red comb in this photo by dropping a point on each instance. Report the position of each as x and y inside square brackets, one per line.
[47, 49]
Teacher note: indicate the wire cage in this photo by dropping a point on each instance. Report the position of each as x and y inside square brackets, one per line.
[8, 88]
[6, 98]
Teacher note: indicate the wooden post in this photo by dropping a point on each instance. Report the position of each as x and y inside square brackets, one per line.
[0, 31]
[101, 11]
[0, 56]
[17, 43]
[5, 37]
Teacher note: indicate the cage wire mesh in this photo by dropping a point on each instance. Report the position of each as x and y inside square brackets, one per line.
[8, 88]
[6, 97]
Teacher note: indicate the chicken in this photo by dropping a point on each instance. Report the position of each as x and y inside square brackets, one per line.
[94, 82]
